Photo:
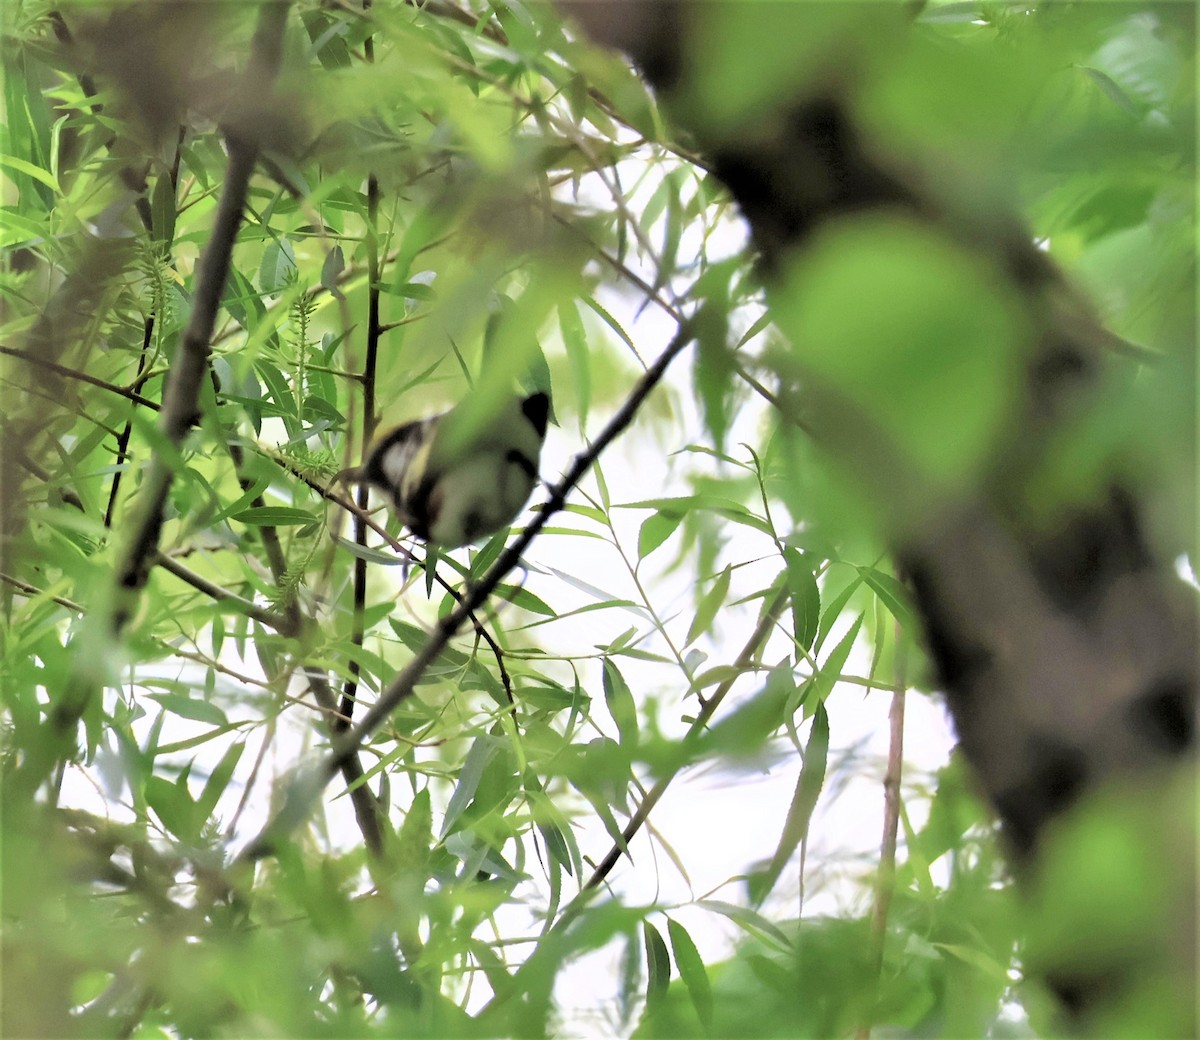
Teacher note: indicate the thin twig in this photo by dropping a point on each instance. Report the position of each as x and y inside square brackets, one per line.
[33, 590]
[82, 377]
[885, 878]
[127, 430]
[350, 688]
[215, 592]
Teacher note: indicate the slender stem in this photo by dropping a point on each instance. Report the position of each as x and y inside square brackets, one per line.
[885, 878]
[350, 689]
[82, 377]
[220, 595]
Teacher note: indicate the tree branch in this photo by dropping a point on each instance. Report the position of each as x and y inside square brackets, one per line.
[181, 401]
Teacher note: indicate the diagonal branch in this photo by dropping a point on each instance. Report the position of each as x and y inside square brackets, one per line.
[181, 402]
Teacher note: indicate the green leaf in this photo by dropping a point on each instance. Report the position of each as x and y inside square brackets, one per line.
[746, 731]
[751, 921]
[556, 845]
[331, 270]
[893, 595]
[193, 708]
[713, 371]
[279, 392]
[412, 291]
[37, 173]
[570, 325]
[804, 802]
[711, 602]
[832, 668]
[926, 357]
[833, 611]
[725, 507]
[482, 750]
[173, 805]
[692, 971]
[278, 267]
[162, 209]
[658, 967]
[218, 780]
[612, 323]
[382, 557]
[519, 596]
[450, 660]
[655, 530]
[805, 597]
[416, 835]
[555, 830]
[621, 706]
[274, 516]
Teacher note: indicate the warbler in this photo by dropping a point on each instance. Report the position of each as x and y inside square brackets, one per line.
[451, 489]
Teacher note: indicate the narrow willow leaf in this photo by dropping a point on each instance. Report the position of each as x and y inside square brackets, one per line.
[655, 530]
[621, 706]
[278, 267]
[416, 835]
[612, 323]
[187, 707]
[658, 966]
[173, 806]
[473, 766]
[758, 325]
[805, 598]
[379, 556]
[556, 845]
[412, 291]
[692, 971]
[274, 516]
[711, 602]
[556, 831]
[746, 731]
[712, 373]
[519, 596]
[218, 780]
[833, 611]
[574, 338]
[332, 268]
[162, 210]
[891, 593]
[751, 921]
[725, 507]
[36, 172]
[824, 680]
[630, 976]
[804, 802]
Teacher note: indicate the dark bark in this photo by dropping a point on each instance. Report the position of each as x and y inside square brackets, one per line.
[1065, 646]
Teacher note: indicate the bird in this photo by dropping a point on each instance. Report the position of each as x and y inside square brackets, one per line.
[452, 489]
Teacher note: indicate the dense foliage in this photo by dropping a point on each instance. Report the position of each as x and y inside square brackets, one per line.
[449, 199]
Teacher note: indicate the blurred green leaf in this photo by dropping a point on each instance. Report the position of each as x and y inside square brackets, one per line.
[691, 970]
